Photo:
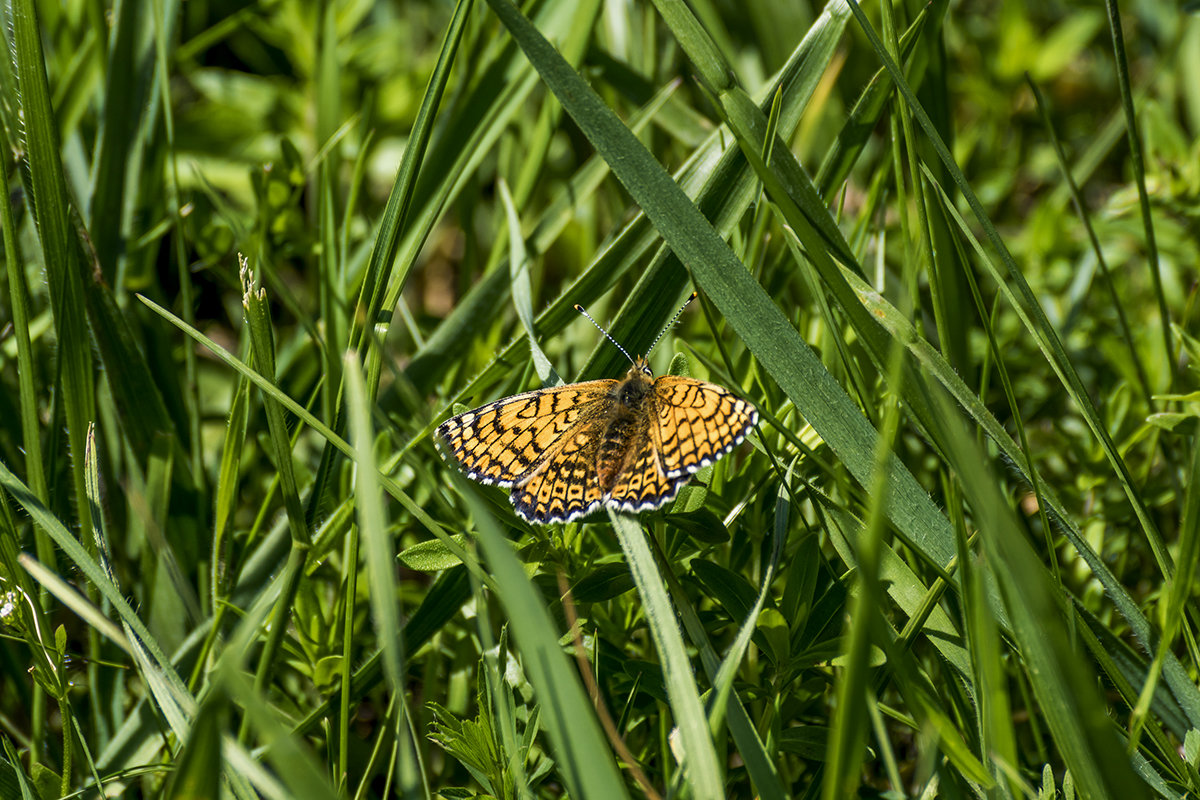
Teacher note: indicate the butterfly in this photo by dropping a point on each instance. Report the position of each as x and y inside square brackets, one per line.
[628, 444]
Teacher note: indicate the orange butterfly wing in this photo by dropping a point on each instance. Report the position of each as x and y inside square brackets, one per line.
[509, 441]
[697, 423]
[566, 487]
[644, 485]
[544, 445]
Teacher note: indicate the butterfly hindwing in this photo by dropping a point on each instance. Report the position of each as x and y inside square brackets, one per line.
[645, 485]
[566, 488]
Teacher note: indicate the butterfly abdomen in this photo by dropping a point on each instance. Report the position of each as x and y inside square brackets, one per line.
[614, 448]
[626, 424]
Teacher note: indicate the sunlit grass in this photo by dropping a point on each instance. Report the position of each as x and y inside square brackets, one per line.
[956, 557]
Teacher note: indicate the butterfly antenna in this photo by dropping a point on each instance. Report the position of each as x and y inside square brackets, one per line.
[671, 324]
[607, 335]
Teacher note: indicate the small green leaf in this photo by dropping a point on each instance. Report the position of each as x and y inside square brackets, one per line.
[1191, 747]
[731, 590]
[603, 582]
[1174, 421]
[326, 671]
[47, 781]
[702, 525]
[876, 658]
[680, 365]
[690, 498]
[432, 555]
[775, 628]
[1047, 791]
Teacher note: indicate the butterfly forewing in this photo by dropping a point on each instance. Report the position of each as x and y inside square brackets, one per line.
[505, 442]
[698, 422]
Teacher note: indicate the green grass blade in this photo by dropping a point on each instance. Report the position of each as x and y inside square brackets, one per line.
[19, 308]
[720, 81]
[1085, 218]
[373, 525]
[1183, 688]
[198, 771]
[380, 562]
[262, 344]
[124, 95]
[904, 587]
[1026, 304]
[931, 363]
[383, 255]
[856, 132]
[272, 391]
[723, 683]
[383, 258]
[1062, 682]
[441, 604]
[743, 303]
[48, 192]
[699, 756]
[87, 566]
[70, 597]
[728, 191]
[295, 766]
[522, 291]
[225, 494]
[759, 762]
[579, 747]
[1138, 163]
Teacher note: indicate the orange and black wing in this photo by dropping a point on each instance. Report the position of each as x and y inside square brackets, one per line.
[565, 486]
[645, 485]
[508, 441]
[696, 423]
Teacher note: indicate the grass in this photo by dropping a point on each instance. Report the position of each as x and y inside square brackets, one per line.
[252, 259]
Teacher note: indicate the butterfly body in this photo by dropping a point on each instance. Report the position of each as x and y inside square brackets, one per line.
[630, 444]
[625, 425]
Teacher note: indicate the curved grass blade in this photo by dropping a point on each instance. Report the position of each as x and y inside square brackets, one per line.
[931, 363]
[728, 191]
[383, 255]
[372, 524]
[752, 314]
[700, 758]
[269, 389]
[1025, 303]
[1138, 164]
[579, 747]
[1062, 681]
[39, 138]
[522, 291]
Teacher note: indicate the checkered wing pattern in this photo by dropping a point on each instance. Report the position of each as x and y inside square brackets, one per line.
[696, 423]
[512, 441]
[566, 486]
[645, 485]
[566, 451]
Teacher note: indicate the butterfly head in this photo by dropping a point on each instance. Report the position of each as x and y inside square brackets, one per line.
[638, 380]
[638, 384]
